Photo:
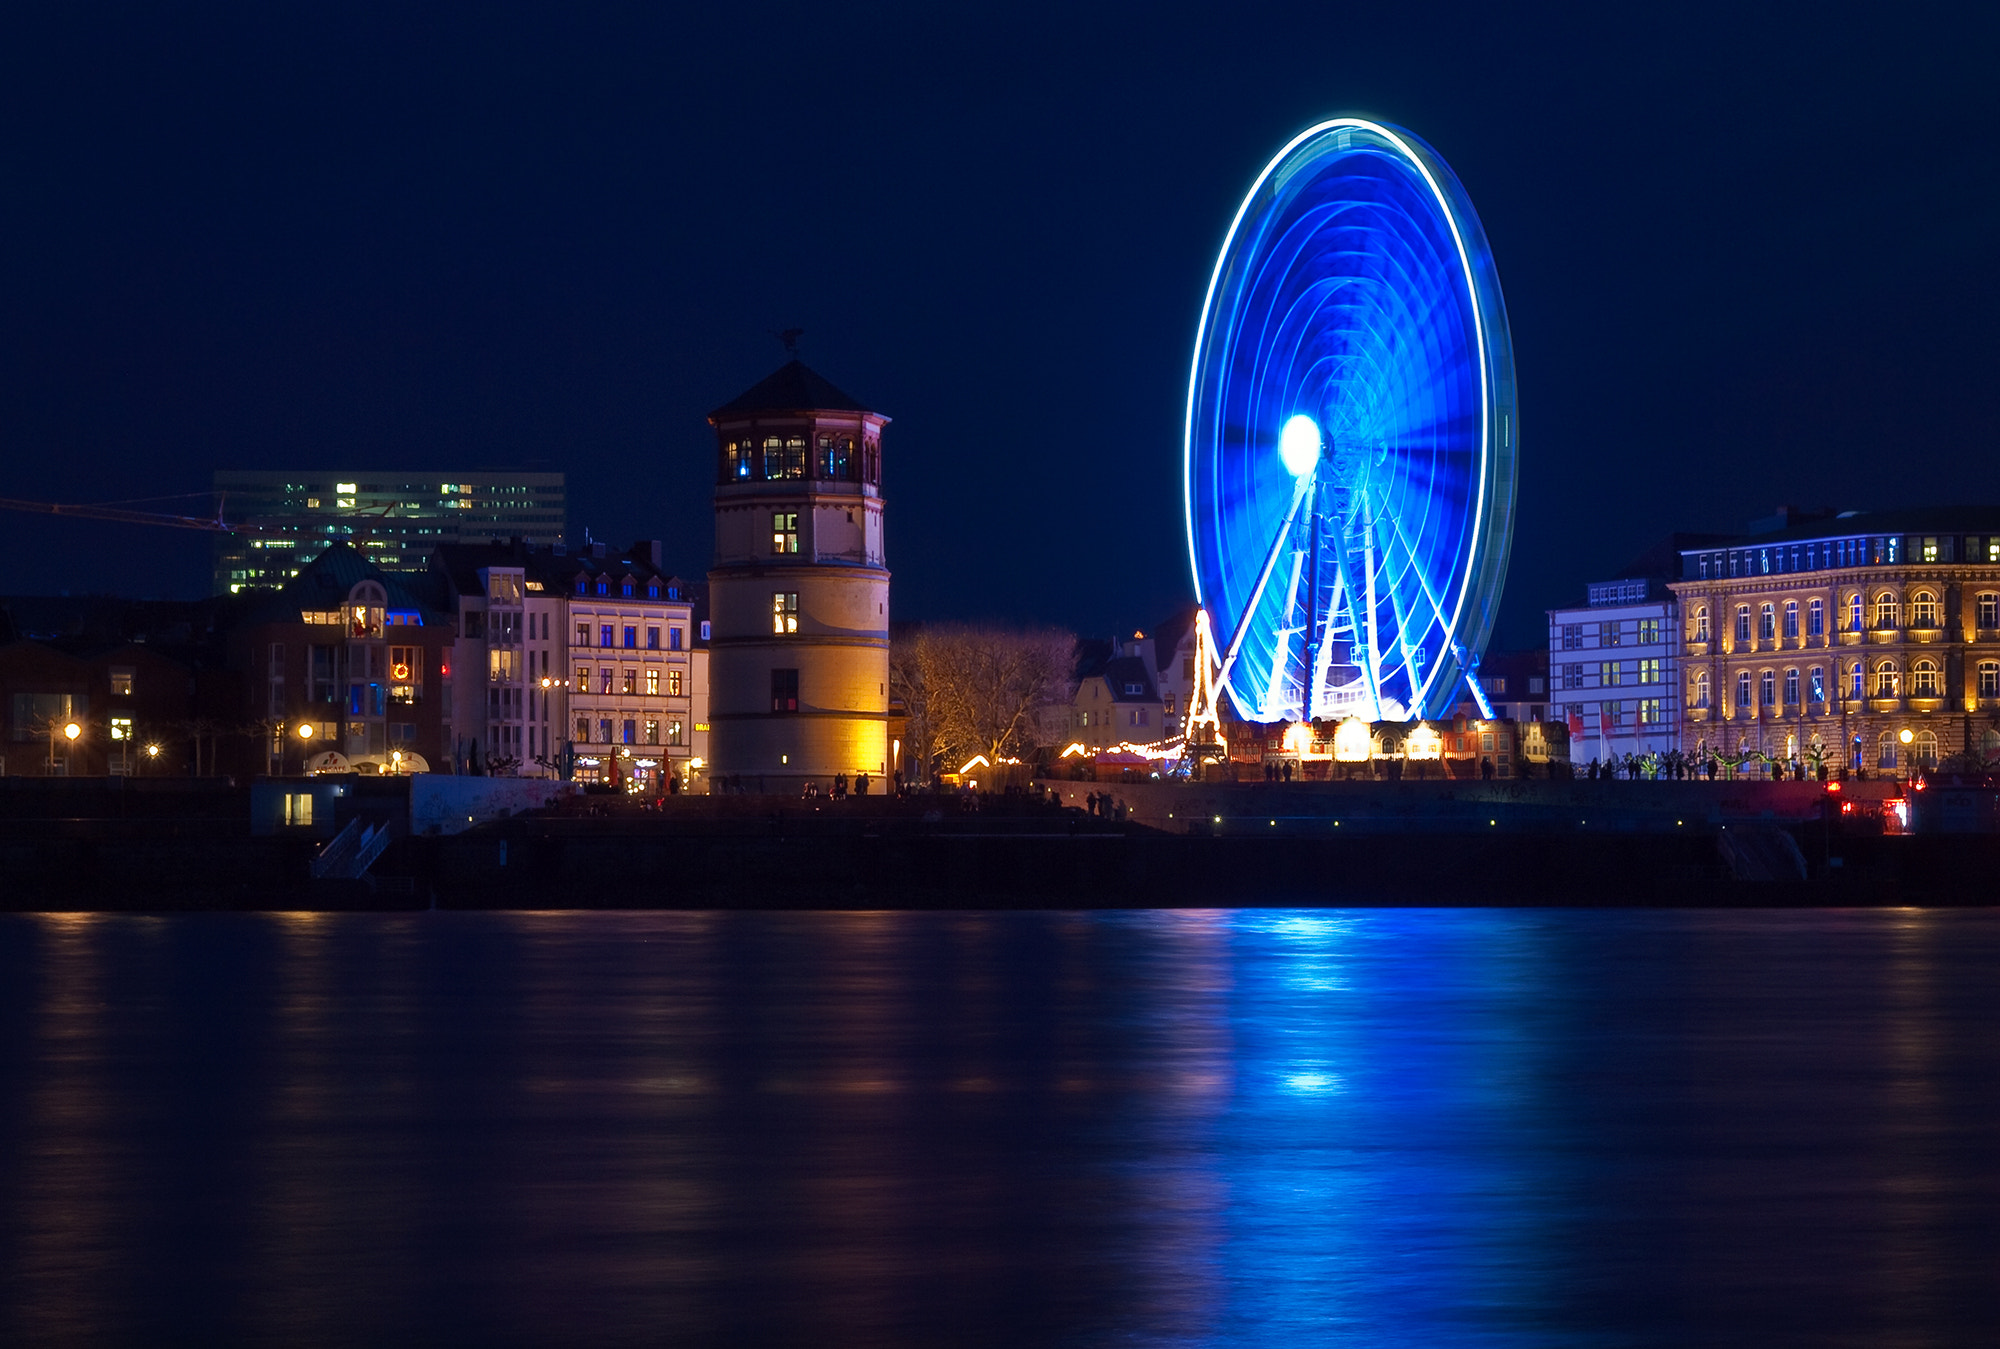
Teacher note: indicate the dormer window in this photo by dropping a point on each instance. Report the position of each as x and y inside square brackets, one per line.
[626, 591]
[603, 587]
[652, 590]
[582, 586]
[1135, 688]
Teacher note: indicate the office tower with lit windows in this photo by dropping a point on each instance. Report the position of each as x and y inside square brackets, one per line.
[393, 519]
[799, 594]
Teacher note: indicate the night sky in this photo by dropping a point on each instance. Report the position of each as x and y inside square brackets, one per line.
[1748, 257]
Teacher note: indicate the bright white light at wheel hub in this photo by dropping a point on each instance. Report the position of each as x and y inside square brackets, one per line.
[1298, 445]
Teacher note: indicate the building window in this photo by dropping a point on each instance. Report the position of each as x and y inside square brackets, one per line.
[673, 683]
[834, 461]
[736, 457]
[1608, 633]
[652, 731]
[1923, 610]
[1854, 623]
[1572, 676]
[652, 683]
[1791, 688]
[1649, 632]
[1743, 624]
[1924, 749]
[652, 590]
[652, 639]
[583, 730]
[1816, 618]
[675, 731]
[1701, 624]
[1885, 610]
[674, 637]
[784, 532]
[583, 634]
[1989, 611]
[628, 730]
[784, 457]
[604, 730]
[625, 589]
[1989, 678]
[1885, 750]
[603, 586]
[785, 611]
[121, 678]
[1649, 670]
[605, 635]
[784, 690]
[1572, 637]
[1701, 688]
[1649, 711]
[1791, 618]
[1885, 680]
[1855, 677]
[1767, 684]
[631, 683]
[1767, 625]
[1743, 690]
[298, 808]
[583, 679]
[1924, 679]
[604, 679]
[1607, 674]
[631, 637]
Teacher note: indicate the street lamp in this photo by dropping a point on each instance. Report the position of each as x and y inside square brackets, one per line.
[153, 752]
[305, 743]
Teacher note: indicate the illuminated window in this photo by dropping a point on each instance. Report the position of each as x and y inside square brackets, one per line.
[1649, 711]
[1854, 623]
[1885, 750]
[631, 683]
[1885, 680]
[121, 728]
[1607, 674]
[1791, 688]
[121, 682]
[1816, 684]
[784, 532]
[1855, 678]
[1649, 671]
[784, 690]
[673, 683]
[1649, 632]
[583, 730]
[1743, 690]
[1743, 624]
[785, 611]
[1816, 618]
[736, 457]
[834, 460]
[1923, 610]
[1928, 548]
[1989, 611]
[1701, 624]
[784, 457]
[652, 683]
[1767, 684]
[603, 586]
[604, 730]
[604, 678]
[1700, 695]
[1791, 618]
[1885, 610]
[1924, 679]
[1924, 749]
[583, 679]
[1989, 678]
[676, 731]
[629, 731]
[1767, 622]
[652, 731]
[298, 808]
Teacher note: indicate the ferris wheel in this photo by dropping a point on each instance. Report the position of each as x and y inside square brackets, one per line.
[1350, 450]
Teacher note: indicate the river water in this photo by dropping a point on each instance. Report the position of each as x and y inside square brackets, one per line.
[1384, 1127]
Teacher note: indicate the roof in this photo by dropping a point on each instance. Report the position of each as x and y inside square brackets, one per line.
[328, 580]
[1169, 632]
[794, 387]
[1852, 524]
[1123, 671]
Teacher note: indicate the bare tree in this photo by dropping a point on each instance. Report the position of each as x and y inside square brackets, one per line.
[979, 690]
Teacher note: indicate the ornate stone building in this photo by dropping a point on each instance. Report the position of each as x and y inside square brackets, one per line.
[1873, 635]
[799, 595]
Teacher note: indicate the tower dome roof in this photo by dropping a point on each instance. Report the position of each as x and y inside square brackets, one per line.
[792, 388]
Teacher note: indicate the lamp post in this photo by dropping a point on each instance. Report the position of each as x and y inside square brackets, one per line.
[305, 744]
[153, 752]
[1906, 735]
[70, 732]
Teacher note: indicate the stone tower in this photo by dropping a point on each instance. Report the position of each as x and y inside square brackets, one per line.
[799, 594]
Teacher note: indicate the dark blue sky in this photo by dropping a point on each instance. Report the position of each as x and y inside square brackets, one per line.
[1748, 257]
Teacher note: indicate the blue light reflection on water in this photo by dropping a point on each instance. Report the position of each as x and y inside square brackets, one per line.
[1478, 1127]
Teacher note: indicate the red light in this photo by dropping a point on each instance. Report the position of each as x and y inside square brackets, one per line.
[1846, 807]
[1833, 786]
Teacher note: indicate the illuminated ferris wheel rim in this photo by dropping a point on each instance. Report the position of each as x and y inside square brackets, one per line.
[1415, 155]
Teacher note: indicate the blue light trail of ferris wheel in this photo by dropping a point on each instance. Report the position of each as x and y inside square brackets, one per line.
[1349, 462]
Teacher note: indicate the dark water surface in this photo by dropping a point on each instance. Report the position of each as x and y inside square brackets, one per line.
[1388, 1127]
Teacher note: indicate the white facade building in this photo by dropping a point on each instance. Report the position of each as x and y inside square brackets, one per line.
[1614, 670]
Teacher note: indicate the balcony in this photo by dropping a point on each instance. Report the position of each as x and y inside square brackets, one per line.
[1924, 703]
[1924, 634]
[1697, 648]
[1849, 637]
[1885, 706]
